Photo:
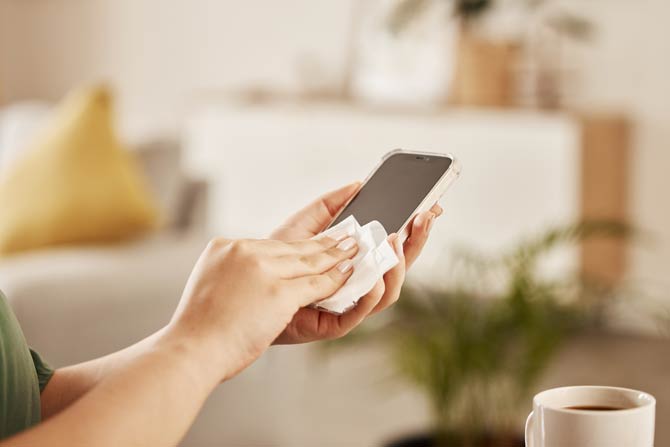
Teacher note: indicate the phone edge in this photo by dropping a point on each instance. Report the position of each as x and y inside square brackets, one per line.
[438, 190]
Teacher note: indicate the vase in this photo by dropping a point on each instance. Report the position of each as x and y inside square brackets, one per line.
[485, 72]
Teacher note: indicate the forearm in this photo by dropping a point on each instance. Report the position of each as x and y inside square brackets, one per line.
[151, 400]
[70, 383]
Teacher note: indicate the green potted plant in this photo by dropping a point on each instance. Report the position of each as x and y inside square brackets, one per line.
[477, 347]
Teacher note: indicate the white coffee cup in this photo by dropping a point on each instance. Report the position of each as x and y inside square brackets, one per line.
[552, 423]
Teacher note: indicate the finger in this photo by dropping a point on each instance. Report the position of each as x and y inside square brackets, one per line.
[355, 316]
[274, 247]
[393, 279]
[311, 288]
[418, 236]
[320, 243]
[437, 210]
[319, 213]
[295, 265]
[271, 247]
[335, 200]
[310, 246]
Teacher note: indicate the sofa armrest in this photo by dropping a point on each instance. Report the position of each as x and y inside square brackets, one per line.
[78, 303]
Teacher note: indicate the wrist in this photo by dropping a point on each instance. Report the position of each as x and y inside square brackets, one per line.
[194, 355]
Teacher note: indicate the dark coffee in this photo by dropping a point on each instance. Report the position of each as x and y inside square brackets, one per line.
[594, 408]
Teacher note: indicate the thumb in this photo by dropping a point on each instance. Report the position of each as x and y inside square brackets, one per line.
[335, 200]
[319, 213]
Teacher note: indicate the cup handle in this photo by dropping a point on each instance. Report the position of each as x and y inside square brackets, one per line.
[529, 431]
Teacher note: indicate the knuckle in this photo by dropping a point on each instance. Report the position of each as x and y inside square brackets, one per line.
[322, 262]
[326, 242]
[242, 251]
[217, 243]
[244, 246]
[308, 261]
[259, 264]
[235, 247]
[315, 282]
[334, 254]
[241, 248]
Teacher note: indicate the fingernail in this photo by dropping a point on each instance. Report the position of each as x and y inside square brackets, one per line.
[431, 221]
[347, 244]
[345, 266]
[338, 235]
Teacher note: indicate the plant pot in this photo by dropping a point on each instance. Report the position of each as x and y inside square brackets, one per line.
[431, 440]
[485, 72]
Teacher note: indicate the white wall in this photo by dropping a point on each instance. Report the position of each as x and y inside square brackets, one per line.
[159, 53]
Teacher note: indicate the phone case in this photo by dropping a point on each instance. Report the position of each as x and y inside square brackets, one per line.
[431, 198]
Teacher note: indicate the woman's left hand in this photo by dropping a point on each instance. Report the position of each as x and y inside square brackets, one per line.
[310, 324]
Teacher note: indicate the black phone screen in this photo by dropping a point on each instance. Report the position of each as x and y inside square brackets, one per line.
[396, 189]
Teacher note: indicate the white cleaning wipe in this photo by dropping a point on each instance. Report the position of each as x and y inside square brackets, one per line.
[374, 258]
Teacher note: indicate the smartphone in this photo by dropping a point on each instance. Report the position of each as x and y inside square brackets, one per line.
[404, 184]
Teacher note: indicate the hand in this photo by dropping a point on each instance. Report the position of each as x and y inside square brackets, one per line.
[243, 293]
[311, 324]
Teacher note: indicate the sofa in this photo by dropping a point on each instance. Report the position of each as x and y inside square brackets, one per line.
[108, 296]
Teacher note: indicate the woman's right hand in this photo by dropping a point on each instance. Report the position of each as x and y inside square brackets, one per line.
[241, 294]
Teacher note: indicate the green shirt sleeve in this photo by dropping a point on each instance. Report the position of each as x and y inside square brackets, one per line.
[43, 370]
[23, 376]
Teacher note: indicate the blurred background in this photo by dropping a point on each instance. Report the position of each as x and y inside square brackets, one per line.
[189, 119]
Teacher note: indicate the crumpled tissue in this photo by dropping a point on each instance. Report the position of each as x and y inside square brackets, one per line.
[375, 257]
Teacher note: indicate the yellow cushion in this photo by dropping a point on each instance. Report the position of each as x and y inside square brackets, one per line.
[76, 182]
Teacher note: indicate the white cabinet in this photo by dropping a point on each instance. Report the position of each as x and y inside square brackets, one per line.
[520, 169]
